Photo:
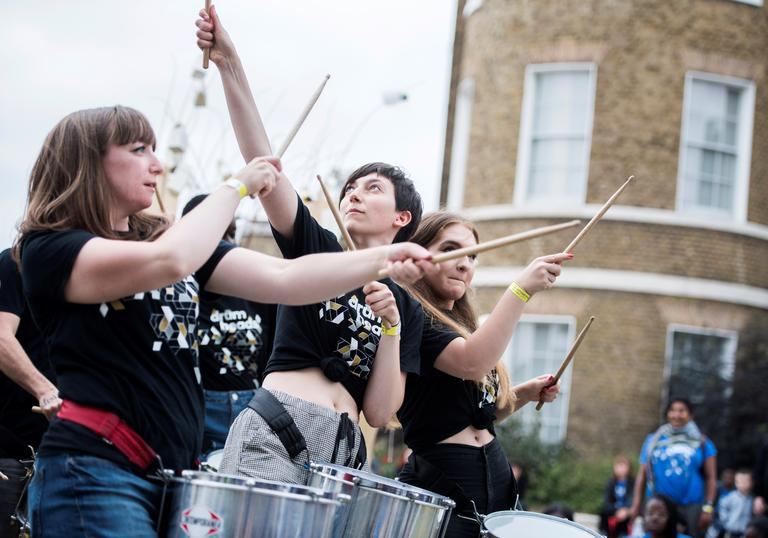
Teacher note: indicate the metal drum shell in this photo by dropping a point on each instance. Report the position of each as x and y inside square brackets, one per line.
[247, 507]
[514, 523]
[382, 507]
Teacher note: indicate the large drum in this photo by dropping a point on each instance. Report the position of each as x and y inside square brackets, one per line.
[382, 507]
[517, 524]
[212, 504]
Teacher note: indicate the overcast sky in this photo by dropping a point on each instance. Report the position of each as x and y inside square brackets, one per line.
[63, 56]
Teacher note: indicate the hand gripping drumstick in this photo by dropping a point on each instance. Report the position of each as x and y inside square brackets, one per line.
[207, 52]
[336, 214]
[303, 117]
[497, 243]
[597, 217]
[567, 360]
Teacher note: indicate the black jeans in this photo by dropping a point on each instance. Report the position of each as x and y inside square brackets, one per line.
[482, 473]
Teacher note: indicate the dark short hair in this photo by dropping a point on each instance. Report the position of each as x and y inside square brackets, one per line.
[406, 196]
[685, 401]
[672, 516]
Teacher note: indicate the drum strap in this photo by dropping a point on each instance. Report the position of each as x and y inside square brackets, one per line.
[112, 429]
[281, 422]
[346, 433]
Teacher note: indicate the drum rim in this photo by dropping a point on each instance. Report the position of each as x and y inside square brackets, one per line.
[381, 483]
[537, 515]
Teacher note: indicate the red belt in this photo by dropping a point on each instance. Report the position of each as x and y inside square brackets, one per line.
[112, 429]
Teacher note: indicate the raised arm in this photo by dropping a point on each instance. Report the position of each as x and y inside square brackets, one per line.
[251, 135]
[107, 269]
[474, 357]
[309, 279]
[16, 364]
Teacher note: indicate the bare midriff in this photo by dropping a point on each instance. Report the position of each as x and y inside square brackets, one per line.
[310, 384]
[470, 436]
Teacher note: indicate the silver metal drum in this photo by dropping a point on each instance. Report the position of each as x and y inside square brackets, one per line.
[212, 504]
[382, 507]
[517, 524]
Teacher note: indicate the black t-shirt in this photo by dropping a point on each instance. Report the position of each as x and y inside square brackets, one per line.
[438, 405]
[19, 426]
[235, 339]
[135, 357]
[340, 335]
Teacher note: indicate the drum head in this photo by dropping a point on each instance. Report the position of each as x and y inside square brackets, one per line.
[513, 524]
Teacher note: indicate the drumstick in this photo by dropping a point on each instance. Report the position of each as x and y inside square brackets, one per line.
[37, 409]
[497, 243]
[207, 52]
[567, 360]
[159, 200]
[597, 217]
[303, 117]
[336, 215]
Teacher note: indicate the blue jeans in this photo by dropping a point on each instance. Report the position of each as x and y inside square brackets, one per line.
[74, 495]
[221, 409]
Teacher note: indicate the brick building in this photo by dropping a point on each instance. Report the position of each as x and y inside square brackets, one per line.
[553, 103]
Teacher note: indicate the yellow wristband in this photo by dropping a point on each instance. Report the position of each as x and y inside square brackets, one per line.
[238, 185]
[520, 292]
[707, 508]
[390, 330]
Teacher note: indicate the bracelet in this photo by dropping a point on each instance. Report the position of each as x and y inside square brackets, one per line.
[390, 330]
[707, 508]
[238, 185]
[519, 291]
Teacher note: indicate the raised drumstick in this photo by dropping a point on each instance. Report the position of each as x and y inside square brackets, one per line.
[37, 409]
[336, 215]
[206, 52]
[568, 357]
[303, 117]
[597, 217]
[497, 243]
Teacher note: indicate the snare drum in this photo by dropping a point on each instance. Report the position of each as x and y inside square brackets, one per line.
[213, 504]
[516, 523]
[382, 507]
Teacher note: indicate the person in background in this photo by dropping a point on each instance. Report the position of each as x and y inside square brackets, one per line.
[679, 461]
[661, 518]
[235, 339]
[735, 509]
[614, 516]
[726, 483]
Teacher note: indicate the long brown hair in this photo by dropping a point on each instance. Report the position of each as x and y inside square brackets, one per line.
[68, 188]
[462, 318]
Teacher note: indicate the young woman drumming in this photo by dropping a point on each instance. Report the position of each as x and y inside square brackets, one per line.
[463, 388]
[115, 292]
[334, 359]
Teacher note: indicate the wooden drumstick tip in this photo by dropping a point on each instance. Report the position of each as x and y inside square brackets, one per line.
[568, 358]
[37, 409]
[207, 52]
[594, 220]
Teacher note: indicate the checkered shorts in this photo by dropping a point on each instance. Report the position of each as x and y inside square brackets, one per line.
[254, 450]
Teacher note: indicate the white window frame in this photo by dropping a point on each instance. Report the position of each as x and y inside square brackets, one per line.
[566, 380]
[750, 2]
[672, 328]
[462, 127]
[526, 126]
[744, 148]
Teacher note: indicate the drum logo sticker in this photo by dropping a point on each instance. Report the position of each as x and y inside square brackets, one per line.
[198, 521]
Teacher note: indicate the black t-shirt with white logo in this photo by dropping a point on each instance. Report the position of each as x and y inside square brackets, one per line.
[438, 405]
[340, 335]
[19, 426]
[235, 338]
[135, 357]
